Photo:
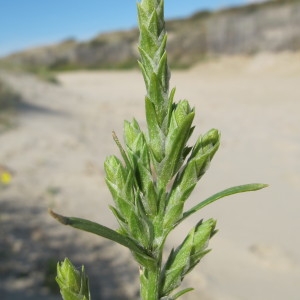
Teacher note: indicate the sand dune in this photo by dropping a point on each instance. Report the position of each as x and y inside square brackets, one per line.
[64, 134]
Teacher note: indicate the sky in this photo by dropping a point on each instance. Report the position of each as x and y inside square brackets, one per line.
[30, 23]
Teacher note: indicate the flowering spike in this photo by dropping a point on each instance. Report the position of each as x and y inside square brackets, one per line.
[158, 173]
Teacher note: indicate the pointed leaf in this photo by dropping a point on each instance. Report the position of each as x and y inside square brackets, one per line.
[172, 216]
[131, 133]
[175, 147]
[152, 21]
[150, 200]
[155, 133]
[163, 72]
[139, 230]
[166, 122]
[124, 206]
[162, 49]
[222, 194]
[145, 74]
[122, 222]
[184, 184]
[148, 41]
[122, 151]
[100, 230]
[155, 93]
[179, 294]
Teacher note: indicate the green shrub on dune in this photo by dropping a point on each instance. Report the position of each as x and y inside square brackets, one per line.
[8, 102]
[8, 97]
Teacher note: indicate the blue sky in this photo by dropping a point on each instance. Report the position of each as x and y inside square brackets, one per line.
[30, 23]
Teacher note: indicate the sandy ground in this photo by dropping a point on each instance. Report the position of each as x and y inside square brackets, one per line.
[64, 134]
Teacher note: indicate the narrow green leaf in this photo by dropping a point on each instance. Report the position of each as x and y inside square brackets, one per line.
[179, 294]
[122, 151]
[100, 230]
[230, 191]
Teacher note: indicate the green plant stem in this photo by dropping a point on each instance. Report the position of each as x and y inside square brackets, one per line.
[149, 282]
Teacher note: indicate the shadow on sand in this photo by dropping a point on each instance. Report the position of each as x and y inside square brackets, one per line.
[31, 243]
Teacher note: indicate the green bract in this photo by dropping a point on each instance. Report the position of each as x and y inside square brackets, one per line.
[157, 174]
[73, 284]
[186, 256]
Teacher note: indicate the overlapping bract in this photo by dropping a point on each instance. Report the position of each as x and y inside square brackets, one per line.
[152, 48]
[159, 170]
[73, 284]
[182, 260]
[145, 196]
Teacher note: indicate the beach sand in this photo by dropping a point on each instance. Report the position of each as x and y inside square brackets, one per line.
[63, 135]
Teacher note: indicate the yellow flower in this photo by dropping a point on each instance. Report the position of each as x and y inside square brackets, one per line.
[5, 177]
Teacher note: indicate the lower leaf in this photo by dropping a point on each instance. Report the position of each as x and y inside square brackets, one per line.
[101, 230]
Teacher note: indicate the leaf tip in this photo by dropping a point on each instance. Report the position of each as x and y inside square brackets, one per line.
[63, 220]
[260, 186]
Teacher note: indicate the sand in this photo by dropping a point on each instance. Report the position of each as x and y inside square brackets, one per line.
[63, 135]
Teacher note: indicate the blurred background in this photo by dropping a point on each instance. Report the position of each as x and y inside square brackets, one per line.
[68, 77]
[30, 24]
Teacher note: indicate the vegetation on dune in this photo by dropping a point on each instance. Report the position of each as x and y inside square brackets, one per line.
[8, 97]
[241, 30]
[9, 100]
